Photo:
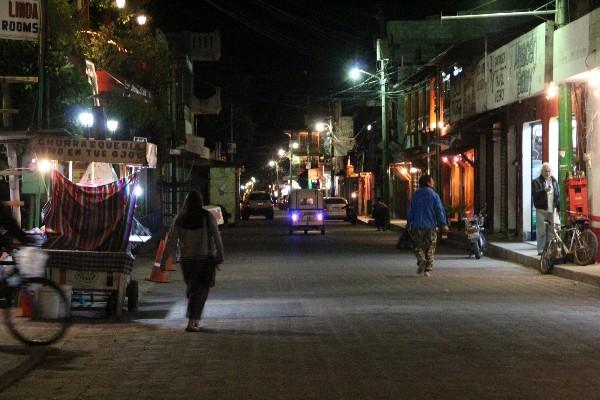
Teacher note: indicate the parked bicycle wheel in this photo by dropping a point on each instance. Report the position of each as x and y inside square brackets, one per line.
[549, 255]
[585, 251]
[37, 312]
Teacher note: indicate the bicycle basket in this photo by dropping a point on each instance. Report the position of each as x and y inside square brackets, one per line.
[31, 261]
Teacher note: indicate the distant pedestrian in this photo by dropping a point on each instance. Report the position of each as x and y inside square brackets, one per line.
[425, 215]
[195, 236]
[380, 214]
[546, 200]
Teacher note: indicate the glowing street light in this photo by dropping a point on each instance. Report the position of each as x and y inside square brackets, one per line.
[141, 19]
[86, 119]
[112, 126]
[120, 3]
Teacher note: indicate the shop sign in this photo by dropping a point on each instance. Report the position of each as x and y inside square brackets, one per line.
[480, 88]
[456, 99]
[517, 70]
[575, 47]
[468, 93]
[195, 144]
[108, 151]
[20, 20]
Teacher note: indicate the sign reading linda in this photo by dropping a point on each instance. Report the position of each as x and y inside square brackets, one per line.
[20, 20]
[108, 151]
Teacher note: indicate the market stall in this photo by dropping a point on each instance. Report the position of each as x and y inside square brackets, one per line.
[88, 224]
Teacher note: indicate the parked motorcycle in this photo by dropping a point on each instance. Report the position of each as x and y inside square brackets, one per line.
[474, 231]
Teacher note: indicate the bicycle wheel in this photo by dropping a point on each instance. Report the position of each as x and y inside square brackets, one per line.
[585, 250]
[37, 312]
[548, 257]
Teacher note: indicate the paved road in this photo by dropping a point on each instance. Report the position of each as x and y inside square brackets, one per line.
[339, 316]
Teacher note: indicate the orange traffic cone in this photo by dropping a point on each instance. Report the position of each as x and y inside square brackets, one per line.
[157, 275]
[169, 263]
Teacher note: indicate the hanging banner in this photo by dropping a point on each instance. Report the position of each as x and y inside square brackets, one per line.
[108, 151]
[20, 20]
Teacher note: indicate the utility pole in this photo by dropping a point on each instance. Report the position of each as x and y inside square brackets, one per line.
[565, 134]
[384, 135]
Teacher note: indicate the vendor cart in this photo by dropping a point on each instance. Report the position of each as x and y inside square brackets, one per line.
[88, 225]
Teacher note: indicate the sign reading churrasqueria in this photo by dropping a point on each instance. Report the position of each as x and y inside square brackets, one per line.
[20, 20]
[108, 151]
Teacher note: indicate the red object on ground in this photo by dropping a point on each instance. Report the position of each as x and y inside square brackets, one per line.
[26, 300]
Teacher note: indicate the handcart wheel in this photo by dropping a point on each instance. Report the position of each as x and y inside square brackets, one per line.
[111, 304]
[133, 295]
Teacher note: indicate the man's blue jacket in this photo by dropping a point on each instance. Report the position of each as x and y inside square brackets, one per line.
[426, 210]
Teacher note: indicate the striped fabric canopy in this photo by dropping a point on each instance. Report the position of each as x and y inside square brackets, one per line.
[89, 218]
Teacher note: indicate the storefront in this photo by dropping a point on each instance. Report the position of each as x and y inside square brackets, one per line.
[577, 63]
[404, 180]
[458, 180]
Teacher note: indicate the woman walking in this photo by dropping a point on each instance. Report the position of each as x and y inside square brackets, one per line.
[195, 235]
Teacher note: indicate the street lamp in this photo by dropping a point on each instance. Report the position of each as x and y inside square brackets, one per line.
[86, 119]
[141, 19]
[112, 126]
[276, 165]
[355, 74]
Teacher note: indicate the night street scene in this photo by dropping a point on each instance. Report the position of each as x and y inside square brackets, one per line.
[286, 199]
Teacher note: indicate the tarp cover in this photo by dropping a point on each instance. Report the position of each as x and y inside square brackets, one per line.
[89, 218]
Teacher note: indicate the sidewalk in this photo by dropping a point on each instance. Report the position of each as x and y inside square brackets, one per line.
[16, 360]
[518, 252]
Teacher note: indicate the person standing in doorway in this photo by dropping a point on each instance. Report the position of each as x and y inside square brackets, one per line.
[195, 236]
[425, 216]
[546, 200]
[380, 214]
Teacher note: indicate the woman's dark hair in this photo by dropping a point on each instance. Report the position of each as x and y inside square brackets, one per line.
[192, 214]
[424, 180]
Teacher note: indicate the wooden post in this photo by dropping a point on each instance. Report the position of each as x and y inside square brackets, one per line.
[13, 181]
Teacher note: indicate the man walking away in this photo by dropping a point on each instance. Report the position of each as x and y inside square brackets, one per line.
[425, 215]
[546, 200]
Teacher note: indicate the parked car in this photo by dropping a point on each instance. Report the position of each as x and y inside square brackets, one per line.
[258, 203]
[336, 208]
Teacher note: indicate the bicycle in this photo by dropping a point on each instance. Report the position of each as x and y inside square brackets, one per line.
[582, 243]
[36, 310]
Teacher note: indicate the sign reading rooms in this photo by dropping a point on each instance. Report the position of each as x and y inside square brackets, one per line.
[20, 20]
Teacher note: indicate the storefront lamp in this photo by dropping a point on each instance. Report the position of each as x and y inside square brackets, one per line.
[551, 91]
[281, 153]
[295, 145]
[43, 166]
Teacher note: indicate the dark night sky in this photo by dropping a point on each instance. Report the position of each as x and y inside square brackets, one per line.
[294, 53]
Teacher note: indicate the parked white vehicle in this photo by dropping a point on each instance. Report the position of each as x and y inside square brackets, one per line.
[336, 208]
[305, 211]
